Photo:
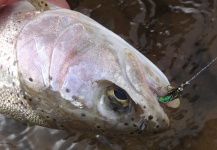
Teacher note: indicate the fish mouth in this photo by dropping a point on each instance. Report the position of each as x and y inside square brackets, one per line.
[158, 83]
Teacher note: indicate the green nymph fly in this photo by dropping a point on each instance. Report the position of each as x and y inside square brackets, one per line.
[174, 93]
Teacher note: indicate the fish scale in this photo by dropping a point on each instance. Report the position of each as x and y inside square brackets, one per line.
[23, 111]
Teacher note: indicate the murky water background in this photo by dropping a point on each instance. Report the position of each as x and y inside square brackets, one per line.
[180, 37]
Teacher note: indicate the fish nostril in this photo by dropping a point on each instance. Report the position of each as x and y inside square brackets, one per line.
[142, 126]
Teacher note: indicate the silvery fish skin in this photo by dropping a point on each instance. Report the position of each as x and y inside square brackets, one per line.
[61, 69]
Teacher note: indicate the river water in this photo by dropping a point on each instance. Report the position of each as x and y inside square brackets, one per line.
[180, 37]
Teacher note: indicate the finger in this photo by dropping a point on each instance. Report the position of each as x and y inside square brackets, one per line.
[4, 2]
[60, 3]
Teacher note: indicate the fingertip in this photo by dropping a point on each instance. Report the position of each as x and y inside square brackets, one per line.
[62, 3]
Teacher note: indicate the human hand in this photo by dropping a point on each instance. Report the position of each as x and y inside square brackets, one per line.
[60, 3]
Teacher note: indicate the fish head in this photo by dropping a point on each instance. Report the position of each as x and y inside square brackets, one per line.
[84, 77]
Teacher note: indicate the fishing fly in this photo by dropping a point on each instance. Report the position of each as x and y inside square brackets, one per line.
[174, 93]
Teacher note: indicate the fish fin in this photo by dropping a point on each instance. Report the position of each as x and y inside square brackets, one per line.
[40, 5]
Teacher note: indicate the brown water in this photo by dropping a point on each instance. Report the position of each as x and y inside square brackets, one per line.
[180, 37]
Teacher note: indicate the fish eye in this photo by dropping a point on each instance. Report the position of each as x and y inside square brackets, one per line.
[118, 98]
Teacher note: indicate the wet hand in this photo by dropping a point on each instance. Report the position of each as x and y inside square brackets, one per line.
[59, 3]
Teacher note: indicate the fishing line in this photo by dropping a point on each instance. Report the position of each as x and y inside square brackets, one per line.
[174, 93]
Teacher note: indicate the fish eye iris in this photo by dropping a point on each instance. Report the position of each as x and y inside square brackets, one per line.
[120, 94]
[118, 98]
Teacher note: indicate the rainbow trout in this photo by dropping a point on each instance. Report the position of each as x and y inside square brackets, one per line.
[61, 69]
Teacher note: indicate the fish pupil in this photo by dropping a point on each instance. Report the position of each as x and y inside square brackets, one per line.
[120, 94]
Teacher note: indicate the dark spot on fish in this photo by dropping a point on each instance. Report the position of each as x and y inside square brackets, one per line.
[9, 101]
[30, 79]
[163, 120]
[62, 126]
[83, 115]
[144, 107]
[103, 130]
[18, 95]
[54, 120]
[126, 124]
[47, 117]
[132, 119]
[30, 99]
[131, 133]
[50, 78]
[150, 117]
[67, 90]
[24, 97]
[21, 103]
[13, 83]
[46, 5]
[157, 126]
[98, 126]
[42, 110]
[75, 97]
[134, 125]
